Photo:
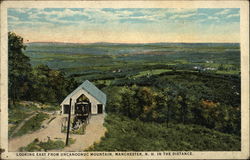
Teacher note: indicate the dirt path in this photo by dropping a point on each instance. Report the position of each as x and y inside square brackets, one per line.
[22, 123]
[94, 131]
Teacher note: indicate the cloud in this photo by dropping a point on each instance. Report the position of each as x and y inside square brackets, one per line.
[34, 16]
[122, 13]
[54, 15]
[145, 17]
[29, 23]
[105, 21]
[12, 18]
[202, 14]
[152, 18]
[96, 15]
[212, 18]
[22, 10]
[182, 10]
[223, 12]
[233, 15]
[182, 16]
[66, 12]
[182, 13]
[102, 15]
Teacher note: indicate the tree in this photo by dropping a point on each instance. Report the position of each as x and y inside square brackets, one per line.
[41, 87]
[147, 104]
[19, 68]
[129, 103]
[40, 83]
[50, 85]
[163, 108]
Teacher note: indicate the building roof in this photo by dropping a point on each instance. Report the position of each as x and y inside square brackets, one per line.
[91, 89]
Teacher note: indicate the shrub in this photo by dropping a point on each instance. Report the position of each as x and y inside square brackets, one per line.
[37, 145]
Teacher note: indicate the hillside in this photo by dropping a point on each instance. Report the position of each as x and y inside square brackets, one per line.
[125, 134]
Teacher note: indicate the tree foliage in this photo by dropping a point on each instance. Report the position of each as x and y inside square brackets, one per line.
[19, 67]
[39, 83]
[168, 106]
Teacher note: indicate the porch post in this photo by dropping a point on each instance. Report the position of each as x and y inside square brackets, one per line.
[68, 127]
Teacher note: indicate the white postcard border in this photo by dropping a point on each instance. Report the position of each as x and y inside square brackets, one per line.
[244, 44]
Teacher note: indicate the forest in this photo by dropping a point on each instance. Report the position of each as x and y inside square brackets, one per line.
[184, 96]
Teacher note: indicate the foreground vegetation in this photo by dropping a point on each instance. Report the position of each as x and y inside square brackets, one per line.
[37, 145]
[33, 124]
[125, 134]
[24, 110]
[16, 116]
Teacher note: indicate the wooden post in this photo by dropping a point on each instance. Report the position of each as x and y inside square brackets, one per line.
[68, 127]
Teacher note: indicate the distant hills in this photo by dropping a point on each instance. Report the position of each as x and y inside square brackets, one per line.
[125, 48]
[108, 43]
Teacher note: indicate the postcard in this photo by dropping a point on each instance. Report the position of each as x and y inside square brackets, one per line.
[124, 80]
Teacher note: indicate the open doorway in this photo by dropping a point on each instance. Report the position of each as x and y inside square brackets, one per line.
[99, 108]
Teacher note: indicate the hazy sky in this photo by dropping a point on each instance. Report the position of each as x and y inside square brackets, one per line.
[126, 25]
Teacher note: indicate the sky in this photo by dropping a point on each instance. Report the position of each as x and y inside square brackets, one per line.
[126, 25]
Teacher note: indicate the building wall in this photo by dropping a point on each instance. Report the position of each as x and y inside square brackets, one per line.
[92, 100]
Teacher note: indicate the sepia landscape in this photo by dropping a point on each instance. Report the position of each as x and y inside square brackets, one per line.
[126, 95]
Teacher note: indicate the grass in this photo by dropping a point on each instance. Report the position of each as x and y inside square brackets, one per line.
[11, 130]
[51, 108]
[32, 125]
[125, 134]
[104, 82]
[37, 145]
[234, 72]
[151, 72]
[16, 115]
[22, 110]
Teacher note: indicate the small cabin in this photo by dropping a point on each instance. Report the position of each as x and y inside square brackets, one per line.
[85, 99]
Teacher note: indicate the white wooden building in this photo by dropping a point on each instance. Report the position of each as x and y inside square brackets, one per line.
[85, 94]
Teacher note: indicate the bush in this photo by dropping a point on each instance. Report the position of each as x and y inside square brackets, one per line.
[49, 145]
[36, 145]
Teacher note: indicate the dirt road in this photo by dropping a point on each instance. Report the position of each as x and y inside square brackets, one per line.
[94, 131]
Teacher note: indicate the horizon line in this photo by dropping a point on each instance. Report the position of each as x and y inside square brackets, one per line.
[118, 42]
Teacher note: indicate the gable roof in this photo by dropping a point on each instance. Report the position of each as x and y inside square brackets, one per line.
[91, 89]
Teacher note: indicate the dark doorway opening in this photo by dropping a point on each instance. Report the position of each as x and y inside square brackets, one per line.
[99, 108]
[65, 109]
[90, 108]
[82, 108]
